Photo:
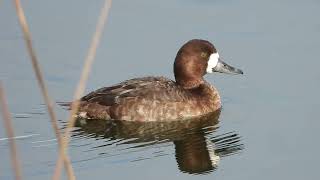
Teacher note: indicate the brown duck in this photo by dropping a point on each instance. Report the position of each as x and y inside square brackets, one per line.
[159, 98]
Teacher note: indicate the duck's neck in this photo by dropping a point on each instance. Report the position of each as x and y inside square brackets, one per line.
[190, 83]
[188, 72]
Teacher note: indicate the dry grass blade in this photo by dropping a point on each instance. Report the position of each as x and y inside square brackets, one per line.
[44, 91]
[84, 76]
[10, 133]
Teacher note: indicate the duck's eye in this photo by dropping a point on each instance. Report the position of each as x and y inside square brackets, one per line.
[204, 54]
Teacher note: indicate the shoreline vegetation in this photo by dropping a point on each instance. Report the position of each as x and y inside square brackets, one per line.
[62, 139]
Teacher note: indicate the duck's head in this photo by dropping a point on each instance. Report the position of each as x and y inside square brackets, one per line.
[197, 58]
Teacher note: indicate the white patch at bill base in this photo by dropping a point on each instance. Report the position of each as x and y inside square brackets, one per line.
[212, 62]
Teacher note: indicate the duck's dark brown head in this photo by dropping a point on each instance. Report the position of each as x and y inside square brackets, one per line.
[196, 58]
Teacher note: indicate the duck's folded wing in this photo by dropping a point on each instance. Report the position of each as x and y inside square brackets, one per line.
[148, 88]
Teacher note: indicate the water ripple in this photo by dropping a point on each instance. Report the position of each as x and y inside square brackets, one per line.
[198, 147]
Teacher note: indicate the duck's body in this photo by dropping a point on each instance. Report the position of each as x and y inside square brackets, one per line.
[159, 98]
[150, 99]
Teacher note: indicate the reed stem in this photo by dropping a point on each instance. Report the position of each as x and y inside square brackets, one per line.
[83, 79]
[10, 133]
[43, 88]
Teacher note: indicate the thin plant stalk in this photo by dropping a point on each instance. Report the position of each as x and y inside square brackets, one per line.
[83, 79]
[10, 134]
[41, 83]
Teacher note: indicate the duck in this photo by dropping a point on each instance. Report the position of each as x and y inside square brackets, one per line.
[159, 98]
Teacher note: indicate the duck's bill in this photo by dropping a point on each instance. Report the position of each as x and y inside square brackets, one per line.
[223, 67]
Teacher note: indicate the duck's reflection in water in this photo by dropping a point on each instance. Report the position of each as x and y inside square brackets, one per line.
[197, 149]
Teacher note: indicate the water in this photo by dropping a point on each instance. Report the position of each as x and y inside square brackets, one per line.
[270, 114]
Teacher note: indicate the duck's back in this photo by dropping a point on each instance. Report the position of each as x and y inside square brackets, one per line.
[143, 99]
